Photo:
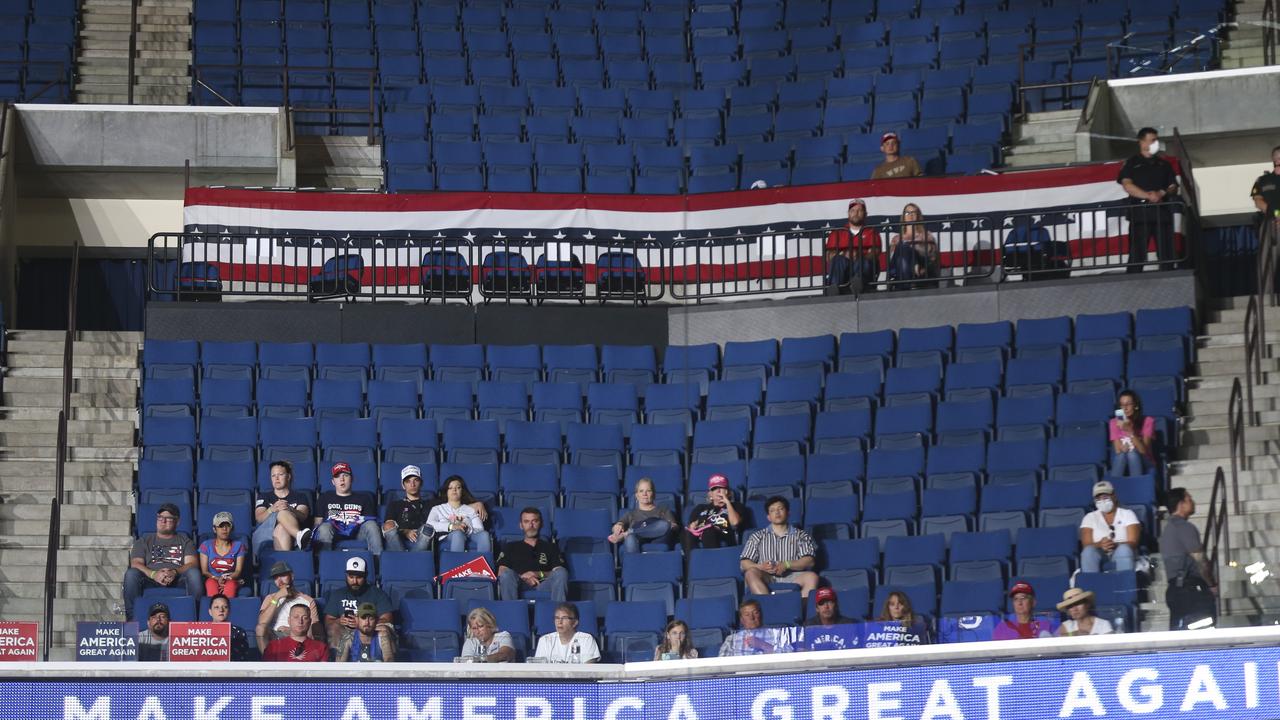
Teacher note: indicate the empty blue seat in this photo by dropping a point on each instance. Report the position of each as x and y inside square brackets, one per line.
[793, 395]
[720, 440]
[595, 445]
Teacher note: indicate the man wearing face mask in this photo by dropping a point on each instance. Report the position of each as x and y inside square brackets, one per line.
[1108, 534]
[1192, 593]
[1266, 189]
[1149, 180]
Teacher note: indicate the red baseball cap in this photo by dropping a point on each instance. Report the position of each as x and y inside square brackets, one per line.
[339, 468]
[889, 135]
[824, 594]
[858, 201]
[717, 481]
[1022, 588]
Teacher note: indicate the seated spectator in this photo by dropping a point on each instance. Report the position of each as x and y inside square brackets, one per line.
[273, 615]
[1132, 437]
[161, 559]
[752, 638]
[531, 562]
[153, 640]
[1025, 625]
[282, 513]
[456, 522]
[298, 645]
[343, 514]
[913, 253]
[1078, 605]
[368, 641]
[897, 608]
[779, 553]
[852, 254]
[895, 165]
[220, 611]
[644, 524]
[828, 610]
[715, 522]
[341, 604]
[222, 559]
[406, 525]
[1108, 535]
[567, 644]
[485, 642]
[676, 644]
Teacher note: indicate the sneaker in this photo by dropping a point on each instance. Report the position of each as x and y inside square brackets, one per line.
[304, 539]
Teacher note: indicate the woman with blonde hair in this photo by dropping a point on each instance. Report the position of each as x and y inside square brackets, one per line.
[485, 643]
[913, 251]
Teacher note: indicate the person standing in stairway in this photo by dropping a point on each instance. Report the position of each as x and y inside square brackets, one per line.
[1192, 595]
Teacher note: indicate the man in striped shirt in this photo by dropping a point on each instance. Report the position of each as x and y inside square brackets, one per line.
[779, 553]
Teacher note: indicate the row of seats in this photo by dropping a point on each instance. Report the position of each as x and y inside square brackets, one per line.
[37, 44]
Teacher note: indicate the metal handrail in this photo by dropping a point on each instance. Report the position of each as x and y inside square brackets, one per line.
[1253, 342]
[1236, 440]
[1217, 530]
[199, 73]
[133, 45]
[59, 486]
[1269, 32]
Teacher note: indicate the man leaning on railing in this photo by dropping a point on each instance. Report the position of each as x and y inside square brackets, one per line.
[1150, 182]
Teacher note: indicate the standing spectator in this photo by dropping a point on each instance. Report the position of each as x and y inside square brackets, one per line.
[298, 646]
[222, 559]
[1025, 625]
[567, 644]
[715, 522]
[160, 559]
[153, 640]
[485, 643]
[779, 553]
[1149, 180]
[457, 521]
[282, 512]
[828, 610]
[1266, 189]
[346, 514]
[1108, 534]
[367, 641]
[406, 525]
[1192, 592]
[273, 615]
[341, 605]
[220, 611]
[913, 252]
[852, 254]
[1132, 436]
[1078, 605]
[531, 562]
[644, 524]
[895, 165]
[676, 644]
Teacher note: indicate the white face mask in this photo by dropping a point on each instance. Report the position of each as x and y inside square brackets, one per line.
[1105, 505]
[1154, 147]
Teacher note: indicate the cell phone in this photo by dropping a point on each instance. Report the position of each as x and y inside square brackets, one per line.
[1119, 414]
[349, 613]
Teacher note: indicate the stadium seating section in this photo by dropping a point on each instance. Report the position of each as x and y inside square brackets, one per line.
[672, 96]
[37, 49]
[919, 460]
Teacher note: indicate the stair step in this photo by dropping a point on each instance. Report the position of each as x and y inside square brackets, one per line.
[79, 441]
[17, 360]
[91, 413]
[1040, 158]
[28, 452]
[61, 606]
[114, 559]
[114, 513]
[31, 534]
[80, 471]
[76, 372]
[100, 592]
[27, 400]
[74, 427]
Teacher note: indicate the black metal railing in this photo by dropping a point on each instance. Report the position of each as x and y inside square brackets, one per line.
[59, 485]
[1269, 32]
[1236, 440]
[227, 82]
[133, 47]
[1217, 531]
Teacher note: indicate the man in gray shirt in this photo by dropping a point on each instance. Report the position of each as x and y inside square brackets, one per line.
[1192, 592]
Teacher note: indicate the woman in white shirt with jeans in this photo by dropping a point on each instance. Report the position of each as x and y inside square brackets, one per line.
[457, 520]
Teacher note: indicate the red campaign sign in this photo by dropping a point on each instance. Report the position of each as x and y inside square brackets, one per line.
[199, 642]
[17, 641]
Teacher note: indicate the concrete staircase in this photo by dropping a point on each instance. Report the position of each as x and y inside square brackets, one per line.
[97, 513]
[339, 162]
[162, 67]
[1243, 46]
[1254, 534]
[1044, 138]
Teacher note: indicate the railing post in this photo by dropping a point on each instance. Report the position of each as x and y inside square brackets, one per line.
[133, 43]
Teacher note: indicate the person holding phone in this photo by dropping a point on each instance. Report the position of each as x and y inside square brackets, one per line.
[1131, 437]
[1108, 535]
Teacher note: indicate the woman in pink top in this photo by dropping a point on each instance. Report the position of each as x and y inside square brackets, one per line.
[1131, 437]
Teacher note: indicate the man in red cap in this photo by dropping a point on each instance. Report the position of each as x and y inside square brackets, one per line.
[853, 254]
[828, 610]
[715, 522]
[343, 514]
[1024, 626]
[894, 165]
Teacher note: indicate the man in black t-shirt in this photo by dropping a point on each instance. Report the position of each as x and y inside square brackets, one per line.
[282, 513]
[531, 563]
[1151, 184]
[404, 528]
[341, 604]
[346, 515]
[1266, 189]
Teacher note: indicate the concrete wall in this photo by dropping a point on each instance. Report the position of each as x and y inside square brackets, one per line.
[8, 206]
[93, 222]
[1221, 101]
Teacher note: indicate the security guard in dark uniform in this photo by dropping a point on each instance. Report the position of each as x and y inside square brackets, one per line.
[1266, 189]
[1150, 181]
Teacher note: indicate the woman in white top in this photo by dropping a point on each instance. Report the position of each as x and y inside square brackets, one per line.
[485, 643]
[456, 519]
[1078, 605]
[566, 644]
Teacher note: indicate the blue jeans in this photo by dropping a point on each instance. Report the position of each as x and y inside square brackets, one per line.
[660, 531]
[1092, 559]
[135, 581]
[509, 584]
[1128, 463]
[458, 541]
[392, 540]
[903, 264]
[264, 534]
[841, 273]
[369, 533]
